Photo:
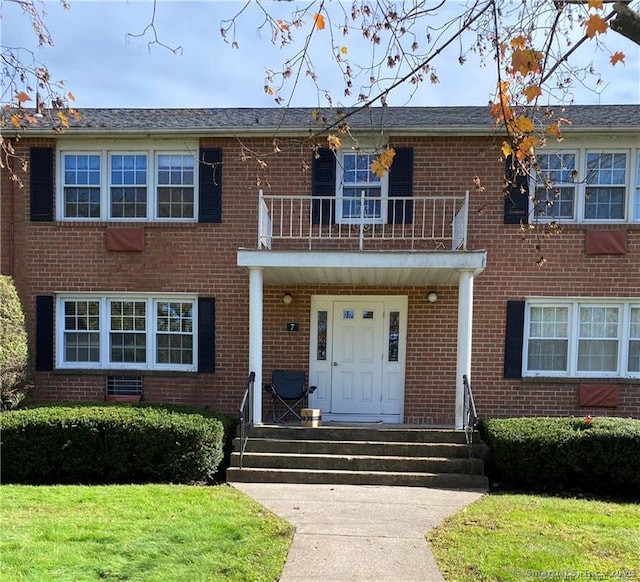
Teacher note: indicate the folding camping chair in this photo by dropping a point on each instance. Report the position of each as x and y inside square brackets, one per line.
[287, 388]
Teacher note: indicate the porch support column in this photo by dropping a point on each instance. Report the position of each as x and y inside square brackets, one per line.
[255, 338]
[465, 320]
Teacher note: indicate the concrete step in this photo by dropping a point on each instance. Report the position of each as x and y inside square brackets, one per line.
[360, 447]
[435, 480]
[364, 433]
[360, 455]
[359, 463]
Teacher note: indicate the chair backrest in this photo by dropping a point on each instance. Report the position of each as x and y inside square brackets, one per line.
[288, 384]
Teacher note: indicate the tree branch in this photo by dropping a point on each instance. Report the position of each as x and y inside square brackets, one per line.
[626, 22]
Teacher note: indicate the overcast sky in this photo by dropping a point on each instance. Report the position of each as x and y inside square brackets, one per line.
[106, 68]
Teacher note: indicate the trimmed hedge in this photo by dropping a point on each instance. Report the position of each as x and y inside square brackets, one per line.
[110, 444]
[599, 455]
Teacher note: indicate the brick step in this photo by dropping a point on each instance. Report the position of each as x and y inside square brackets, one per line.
[360, 447]
[358, 463]
[434, 480]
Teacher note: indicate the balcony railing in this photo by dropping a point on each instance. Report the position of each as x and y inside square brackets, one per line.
[399, 223]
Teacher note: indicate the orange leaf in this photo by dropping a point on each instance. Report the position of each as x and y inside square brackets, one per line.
[595, 24]
[282, 25]
[554, 129]
[506, 149]
[319, 19]
[382, 164]
[522, 124]
[15, 121]
[21, 97]
[64, 120]
[597, 4]
[71, 96]
[526, 61]
[617, 57]
[343, 50]
[334, 142]
[531, 92]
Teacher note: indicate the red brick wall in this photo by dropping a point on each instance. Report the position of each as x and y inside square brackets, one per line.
[201, 258]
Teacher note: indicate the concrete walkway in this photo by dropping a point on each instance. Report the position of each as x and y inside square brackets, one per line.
[350, 533]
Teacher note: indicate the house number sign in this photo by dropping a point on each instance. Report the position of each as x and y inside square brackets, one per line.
[292, 326]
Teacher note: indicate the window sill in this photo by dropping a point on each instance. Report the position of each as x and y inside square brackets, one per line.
[128, 399]
[578, 380]
[125, 372]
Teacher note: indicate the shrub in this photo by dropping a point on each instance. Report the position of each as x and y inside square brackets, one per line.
[13, 345]
[109, 444]
[601, 455]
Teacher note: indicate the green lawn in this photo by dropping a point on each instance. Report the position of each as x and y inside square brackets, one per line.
[527, 537]
[140, 533]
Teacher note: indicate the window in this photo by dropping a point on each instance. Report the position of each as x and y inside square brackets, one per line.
[582, 338]
[127, 331]
[128, 189]
[81, 186]
[606, 186]
[556, 193]
[175, 186]
[143, 184]
[360, 192]
[587, 186]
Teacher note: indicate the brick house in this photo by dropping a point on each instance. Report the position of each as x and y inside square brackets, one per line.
[165, 253]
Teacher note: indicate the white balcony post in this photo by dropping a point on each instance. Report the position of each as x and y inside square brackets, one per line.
[463, 359]
[255, 338]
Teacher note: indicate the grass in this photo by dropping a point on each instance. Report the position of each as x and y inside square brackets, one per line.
[528, 537]
[141, 533]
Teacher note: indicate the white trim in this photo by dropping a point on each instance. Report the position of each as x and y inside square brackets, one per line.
[340, 198]
[392, 409]
[104, 331]
[106, 149]
[573, 304]
[632, 171]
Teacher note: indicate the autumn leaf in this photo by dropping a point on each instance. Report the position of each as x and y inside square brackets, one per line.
[282, 25]
[595, 24]
[526, 61]
[15, 121]
[334, 142]
[64, 120]
[531, 92]
[21, 97]
[382, 164]
[269, 90]
[71, 96]
[522, 124]
[319, 20]
[617, 57]
[343, 50]
[506, 149]
[596, 4]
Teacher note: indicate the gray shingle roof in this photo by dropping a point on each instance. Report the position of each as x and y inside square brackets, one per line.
[411, 119]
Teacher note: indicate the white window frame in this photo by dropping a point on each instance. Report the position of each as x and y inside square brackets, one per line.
[574, 304]
[631, 212]
[384, 192]
[151, 331]
[108, 149]
[110, 185]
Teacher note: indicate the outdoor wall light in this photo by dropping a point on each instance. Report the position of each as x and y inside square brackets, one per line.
[287, 299]
[432, 297]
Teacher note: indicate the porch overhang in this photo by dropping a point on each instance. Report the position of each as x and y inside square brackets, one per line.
[362, 268]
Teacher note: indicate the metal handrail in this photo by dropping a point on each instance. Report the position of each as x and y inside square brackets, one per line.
[246, 414]
[470, 414]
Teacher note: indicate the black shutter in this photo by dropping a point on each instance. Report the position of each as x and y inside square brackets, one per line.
[401, 185]
[44, 333]
[206, 334]
[516, 199]
[323, 183]
[41, 184]
[514, 337]
[210, 185]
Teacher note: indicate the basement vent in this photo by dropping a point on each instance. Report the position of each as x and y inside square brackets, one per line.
[124, 385]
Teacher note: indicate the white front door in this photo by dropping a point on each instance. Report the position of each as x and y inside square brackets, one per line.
[356, 385]
[357, 357]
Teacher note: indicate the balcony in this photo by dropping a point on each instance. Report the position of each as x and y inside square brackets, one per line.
[424, 223]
